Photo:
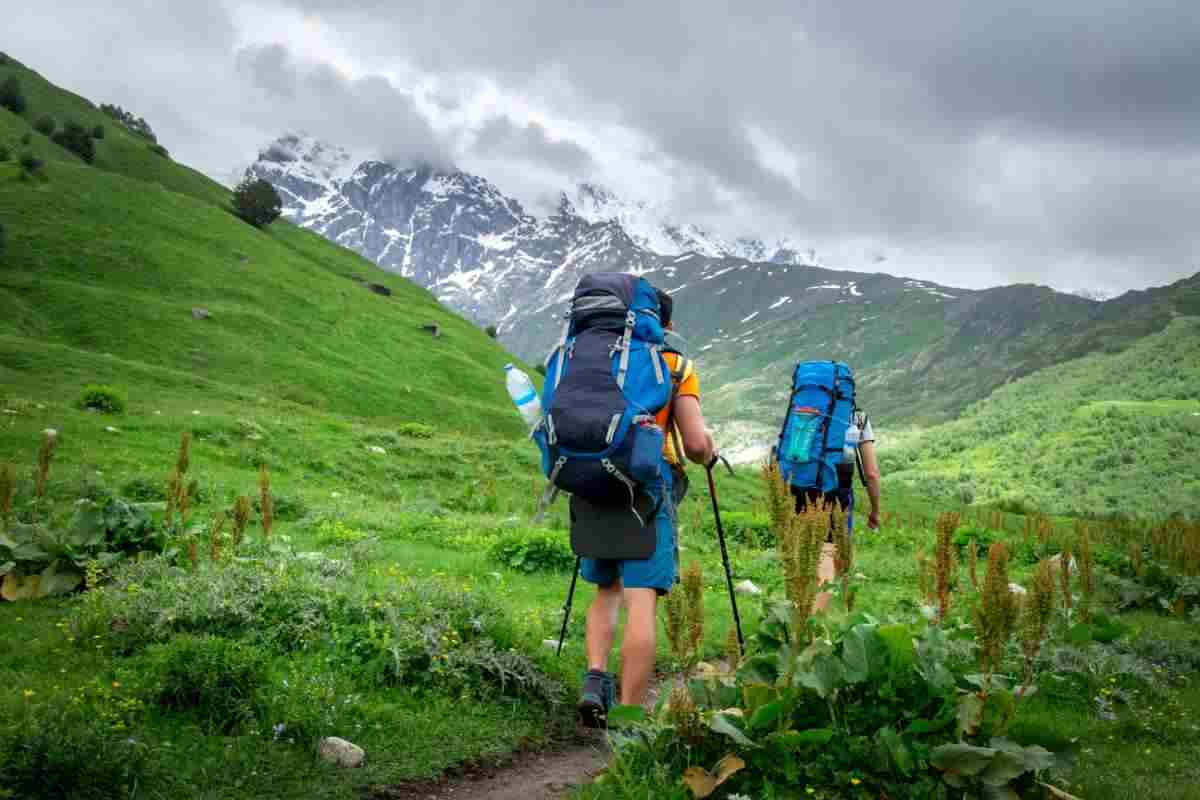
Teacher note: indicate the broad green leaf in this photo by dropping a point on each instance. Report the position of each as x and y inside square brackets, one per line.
[7, 567]
[57, 579]
[1005, 767]
[794, 740]
[864, 653]
[1080, 633]
[921, 727]
[826, 675]
[962, 759]
[757, 694]
[760, 669]
[898, 641]
[87, 527]
[897, 751]
[970, 714]
[1038, 758]
[622, 716]
[767, 715]
[721, 723]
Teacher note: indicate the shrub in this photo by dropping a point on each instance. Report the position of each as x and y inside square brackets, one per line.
[45, 125]
[142, 489]
[3, 238]
[134, 124]
[105, 399]
[26, 138]
[492, 331]
[256, 201]
[3, 59]
[213, 678]
[5, 153]
[78, 140]
[98, 132]
[533, 551]
[11, 96]
[416, 430]
[285, 507]
[159, 150]
[31, 164]
[74, 745]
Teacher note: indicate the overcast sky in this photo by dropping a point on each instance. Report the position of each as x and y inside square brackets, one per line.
[972, 143]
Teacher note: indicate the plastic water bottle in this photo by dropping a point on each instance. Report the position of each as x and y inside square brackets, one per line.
[523, 394]
[850, 449]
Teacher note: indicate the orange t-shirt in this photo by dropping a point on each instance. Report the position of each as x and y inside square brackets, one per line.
[689, 386]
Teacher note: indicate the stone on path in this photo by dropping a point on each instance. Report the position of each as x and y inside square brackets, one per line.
[343, 753]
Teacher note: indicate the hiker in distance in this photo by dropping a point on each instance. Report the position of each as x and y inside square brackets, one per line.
[621, 414]
[825, 440]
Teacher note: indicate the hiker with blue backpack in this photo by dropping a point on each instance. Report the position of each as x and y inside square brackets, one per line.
[825, 439]
[621, 411]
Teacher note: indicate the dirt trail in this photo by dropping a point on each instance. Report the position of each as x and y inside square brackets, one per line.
[545, 775]
[530, 776]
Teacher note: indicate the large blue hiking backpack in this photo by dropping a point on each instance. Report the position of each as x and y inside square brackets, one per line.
[606, 379]
[820, 409]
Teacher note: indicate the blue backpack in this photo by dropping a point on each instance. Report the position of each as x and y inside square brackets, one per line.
[605, 382]
[820, 409]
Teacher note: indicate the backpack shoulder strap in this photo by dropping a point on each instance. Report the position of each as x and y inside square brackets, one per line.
[683, 366]
[862, 473]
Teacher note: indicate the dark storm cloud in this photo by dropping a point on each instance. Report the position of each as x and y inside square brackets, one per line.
[501, 138]
[908, 123]
[1012, 140]
[366, 113]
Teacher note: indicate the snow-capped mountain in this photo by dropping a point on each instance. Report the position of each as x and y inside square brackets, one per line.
[1098, 295]
[749, 310]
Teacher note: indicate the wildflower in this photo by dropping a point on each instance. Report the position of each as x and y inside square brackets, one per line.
[810, 790]
[855, 781]
[29, 693]
[116, 685]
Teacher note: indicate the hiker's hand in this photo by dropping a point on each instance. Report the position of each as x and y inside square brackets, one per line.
[873, 520]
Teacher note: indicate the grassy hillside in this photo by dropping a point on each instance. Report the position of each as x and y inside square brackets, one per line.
[119, 151]
[1105, 433]
[922, 353]
[104, 264]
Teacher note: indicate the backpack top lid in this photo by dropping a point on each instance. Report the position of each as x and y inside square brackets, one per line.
[605, 299]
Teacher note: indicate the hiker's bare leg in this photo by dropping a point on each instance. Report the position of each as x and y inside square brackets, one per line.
[602, 625]
[638, 649]
[825, 574]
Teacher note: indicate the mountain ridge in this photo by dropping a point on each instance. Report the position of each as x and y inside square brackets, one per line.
[924, 351]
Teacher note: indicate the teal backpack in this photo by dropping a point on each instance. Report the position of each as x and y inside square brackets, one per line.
[820, 409]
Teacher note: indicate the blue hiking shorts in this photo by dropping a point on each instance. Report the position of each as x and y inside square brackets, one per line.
[659, 571]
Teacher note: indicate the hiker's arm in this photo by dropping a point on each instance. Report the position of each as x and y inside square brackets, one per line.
[697, 441]
[871, 468]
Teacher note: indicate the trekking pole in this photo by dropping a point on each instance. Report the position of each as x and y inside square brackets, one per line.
[567, 608]
[712, 492]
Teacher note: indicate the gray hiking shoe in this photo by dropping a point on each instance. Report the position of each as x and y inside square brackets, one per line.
[598, 696]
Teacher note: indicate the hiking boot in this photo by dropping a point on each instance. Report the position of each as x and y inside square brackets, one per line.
[598, 696]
